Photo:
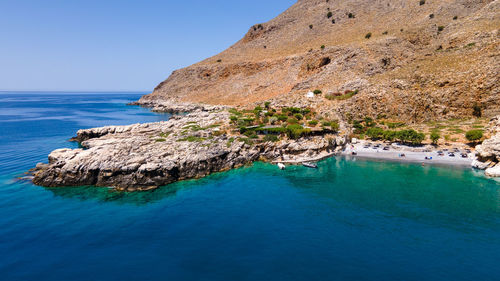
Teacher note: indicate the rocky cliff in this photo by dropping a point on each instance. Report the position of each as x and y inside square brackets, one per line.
[488, 153]
[408, 59]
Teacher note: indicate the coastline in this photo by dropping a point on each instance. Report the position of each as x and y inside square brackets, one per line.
[201, 142]
[411, 156]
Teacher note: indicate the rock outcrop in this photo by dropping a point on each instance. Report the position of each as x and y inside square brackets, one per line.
[488, 153]
[410, 61]
[145, 156]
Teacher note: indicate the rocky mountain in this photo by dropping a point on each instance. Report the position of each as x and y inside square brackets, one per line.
[407, 59]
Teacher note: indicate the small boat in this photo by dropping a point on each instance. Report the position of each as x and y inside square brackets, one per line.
[310, 165]
[281, 166]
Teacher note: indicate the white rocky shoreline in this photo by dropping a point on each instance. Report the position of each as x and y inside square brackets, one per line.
[145, 156]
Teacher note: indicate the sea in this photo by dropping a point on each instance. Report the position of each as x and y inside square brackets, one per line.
[351, 219]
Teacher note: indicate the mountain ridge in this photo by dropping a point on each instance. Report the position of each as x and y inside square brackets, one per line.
[415, 60]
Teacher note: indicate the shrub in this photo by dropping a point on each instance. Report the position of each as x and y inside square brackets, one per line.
[292, 121]
[230, 141]
[422, 2]
[246, 141]
[335, 126]
[233, 118]
[338, 96]
[322, 47]
[277, 130]
[295, 131]
[282, 117]
[455, 18]
[476, 110]
[317, 92]
[435, 136]
[313, 123]
[292, 110]
[357, 125]
[219, 60]
[385, 32]
[299, 116]
[161, 140]
[192, 139]
[474, 135]
[325, 123]
[311, 26]
[235, 112]
[351, 15]
[250, 134]
[329, 15]
[431, 16]
[272, 138]
[440, 28]
[165, 134]
[368, 35]
[273, 120]
[257, 108]
[395, 125]
[267, 104]
[333, 21]
[369, 122]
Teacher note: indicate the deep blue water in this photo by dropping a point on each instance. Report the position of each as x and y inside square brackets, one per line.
[349, 220]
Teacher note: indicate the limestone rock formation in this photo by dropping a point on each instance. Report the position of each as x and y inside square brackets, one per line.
[145, 156]
[488, 153]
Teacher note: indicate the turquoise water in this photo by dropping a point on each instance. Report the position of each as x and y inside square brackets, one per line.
[348, 220]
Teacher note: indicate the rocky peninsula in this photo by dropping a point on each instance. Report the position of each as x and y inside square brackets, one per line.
[145, 156]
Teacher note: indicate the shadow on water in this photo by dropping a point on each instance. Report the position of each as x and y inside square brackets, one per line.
[104, 195]
[108, 195]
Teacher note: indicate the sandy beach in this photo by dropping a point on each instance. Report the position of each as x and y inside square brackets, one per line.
[411, 154]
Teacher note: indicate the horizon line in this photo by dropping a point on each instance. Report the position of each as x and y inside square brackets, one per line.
[77, 91]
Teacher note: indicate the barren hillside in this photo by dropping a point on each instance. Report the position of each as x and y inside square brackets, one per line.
[411, 59]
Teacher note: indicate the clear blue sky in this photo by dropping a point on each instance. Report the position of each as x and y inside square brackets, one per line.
[116, 45]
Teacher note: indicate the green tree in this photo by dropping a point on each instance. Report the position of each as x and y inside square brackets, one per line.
[435, 136]
[375, 133]
[410, 136]
[390, 135]
[474, 135]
